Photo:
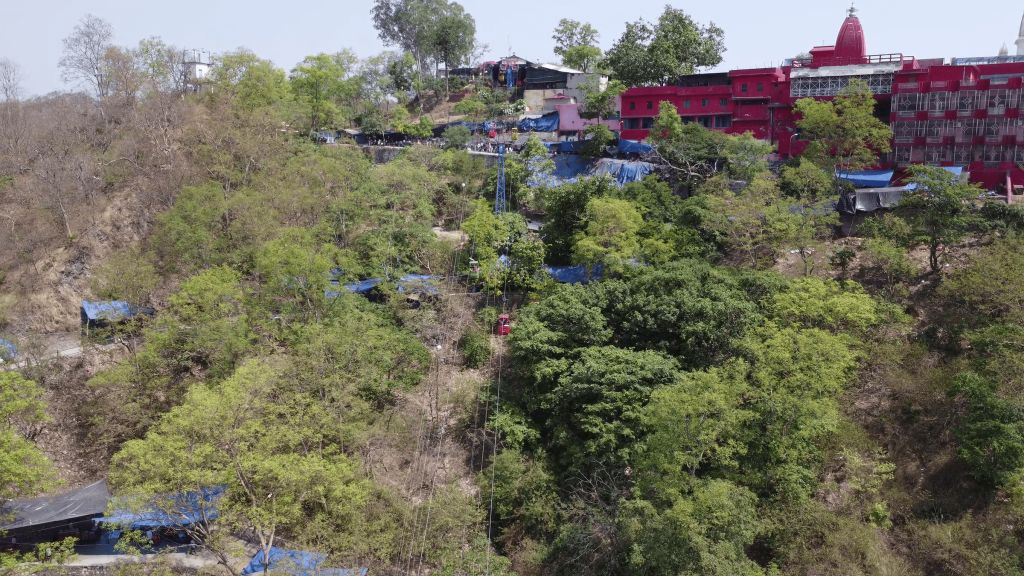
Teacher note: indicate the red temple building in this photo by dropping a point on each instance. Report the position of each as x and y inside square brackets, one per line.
[966, 112]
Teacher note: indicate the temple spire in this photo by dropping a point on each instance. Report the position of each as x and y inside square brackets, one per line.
[852, 11]
[1020, 39]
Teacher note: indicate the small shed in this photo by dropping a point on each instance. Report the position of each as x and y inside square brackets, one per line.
[107, 313]
[47, 518]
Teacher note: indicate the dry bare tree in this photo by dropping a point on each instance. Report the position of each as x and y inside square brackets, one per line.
[85, 49]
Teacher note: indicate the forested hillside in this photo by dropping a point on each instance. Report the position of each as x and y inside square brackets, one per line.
[741, 385]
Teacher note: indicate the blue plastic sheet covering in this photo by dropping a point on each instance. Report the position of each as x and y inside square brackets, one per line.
[419, 284]
[7, 350]
[867, 178]
[568, 169]
[363, 286]
[623, 171]
[414, 283]
[575, 274]
[110, 311]
[634, 147]
[174, 511]
[546, 123]
[570, 146]
[296, 563]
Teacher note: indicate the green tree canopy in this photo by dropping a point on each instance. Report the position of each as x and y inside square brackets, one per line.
[266, 445]
[24, 469]
[843, 134]
[656, 54]
[940, 209]
[577, 43]
[324, 83]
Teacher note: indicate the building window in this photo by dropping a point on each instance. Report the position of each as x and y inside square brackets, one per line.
[686, 103]
[760, 86]
[631, 123]
[723, 121]
[704, 103]
[632, 105]
[707, 121]
[647, 123]
[723, 102]
[831, 85]
[650, 105]
[743, 88]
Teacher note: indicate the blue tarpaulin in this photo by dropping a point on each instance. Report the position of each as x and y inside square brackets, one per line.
[109, 311]
[634, 147]
[363, 286]
[570, 169]
[546, 123]
[170, 511]
[296, 563]
[867, 178]
[7, 349]
[570, 146]
[575, 274]
[623, 171]
[414, 283]
[418, 283]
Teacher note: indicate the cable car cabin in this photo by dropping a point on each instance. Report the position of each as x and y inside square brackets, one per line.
[504, 325]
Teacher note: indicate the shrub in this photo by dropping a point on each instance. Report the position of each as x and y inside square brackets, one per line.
[476, 348]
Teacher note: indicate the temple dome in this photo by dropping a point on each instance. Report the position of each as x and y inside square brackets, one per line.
[850, 43]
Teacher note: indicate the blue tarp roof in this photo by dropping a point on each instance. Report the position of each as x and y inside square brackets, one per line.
[422, 283]
[867, 178]
[110, 311]
[623, 171]
[7, 349]
[296, 563]
[634, 147]
[546, 123]
[574, 274]
[571, 146]
[569, 168]
[363, 286]
[174, 510]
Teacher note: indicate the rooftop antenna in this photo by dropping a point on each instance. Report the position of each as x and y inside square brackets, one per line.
[853, 9]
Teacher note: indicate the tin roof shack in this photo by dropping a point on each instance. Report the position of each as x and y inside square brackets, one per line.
[27, 521]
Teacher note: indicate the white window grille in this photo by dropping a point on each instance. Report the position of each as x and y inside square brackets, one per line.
[994, 127]
[832, 85]
[904, 131]
[935, 129]
[903, 154]
[967, 100]
[997, 101]
[937, 101]
[1018, 154]
[962, 154]
[905, 104]
[993, 155]
[935, 154]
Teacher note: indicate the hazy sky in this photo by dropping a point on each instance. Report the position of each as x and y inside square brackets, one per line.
[757, 33]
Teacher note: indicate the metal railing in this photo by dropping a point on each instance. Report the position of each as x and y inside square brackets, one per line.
[892, 58]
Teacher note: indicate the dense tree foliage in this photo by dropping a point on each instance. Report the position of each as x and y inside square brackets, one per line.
[576, 44]
[737, 384]
[657, 53]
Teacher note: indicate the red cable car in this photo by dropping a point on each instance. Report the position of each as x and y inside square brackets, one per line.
[504, 325]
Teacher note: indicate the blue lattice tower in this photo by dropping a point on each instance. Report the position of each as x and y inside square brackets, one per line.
[500, 205]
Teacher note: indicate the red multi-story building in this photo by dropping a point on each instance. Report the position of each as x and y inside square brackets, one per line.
[968, 112]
